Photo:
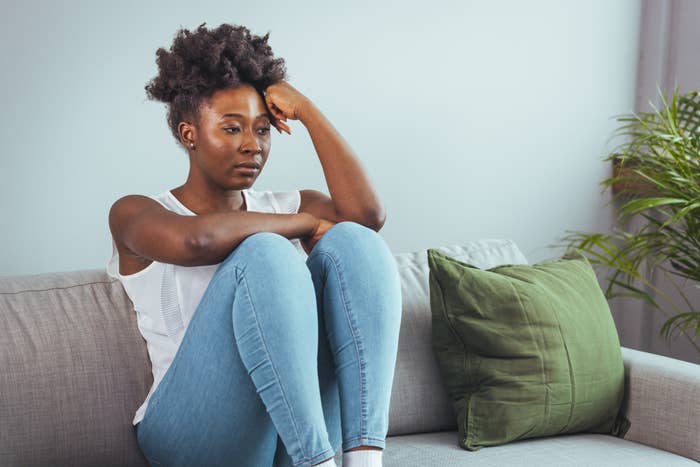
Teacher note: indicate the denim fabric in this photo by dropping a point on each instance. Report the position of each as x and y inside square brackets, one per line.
[277, 350]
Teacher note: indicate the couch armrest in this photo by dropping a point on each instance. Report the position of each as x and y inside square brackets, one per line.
[662, 402]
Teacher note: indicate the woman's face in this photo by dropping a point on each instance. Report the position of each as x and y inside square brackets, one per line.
[234, 128]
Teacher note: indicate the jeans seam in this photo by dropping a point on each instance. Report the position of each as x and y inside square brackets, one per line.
[312, 459]
[356, 340]
[154, 403]
[366, 437]
[272, 364]
[372, 441]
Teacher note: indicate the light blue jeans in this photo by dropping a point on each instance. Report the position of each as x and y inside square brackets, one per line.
[277, 351]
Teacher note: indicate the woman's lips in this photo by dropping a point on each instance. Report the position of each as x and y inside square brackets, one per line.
[247, 170]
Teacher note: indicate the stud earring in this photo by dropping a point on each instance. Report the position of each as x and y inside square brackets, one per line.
[192, 145]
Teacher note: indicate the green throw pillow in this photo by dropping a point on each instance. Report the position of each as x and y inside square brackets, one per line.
[526, 350]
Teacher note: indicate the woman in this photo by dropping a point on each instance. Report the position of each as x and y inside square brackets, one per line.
[267, 314]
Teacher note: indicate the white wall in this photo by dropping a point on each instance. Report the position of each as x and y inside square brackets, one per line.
[510, 102]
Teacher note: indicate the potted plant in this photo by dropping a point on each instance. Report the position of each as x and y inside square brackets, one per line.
[656, 171]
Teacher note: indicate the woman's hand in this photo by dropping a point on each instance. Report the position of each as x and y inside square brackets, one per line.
[310, 241]
[284, 102]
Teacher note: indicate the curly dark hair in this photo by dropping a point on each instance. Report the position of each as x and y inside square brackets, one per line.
[200, 63]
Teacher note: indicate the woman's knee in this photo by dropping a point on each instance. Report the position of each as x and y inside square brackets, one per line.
[262, 249]
[357, 247]
[349, 237]
[349, 231]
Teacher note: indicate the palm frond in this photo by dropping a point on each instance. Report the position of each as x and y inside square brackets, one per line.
[659, 149]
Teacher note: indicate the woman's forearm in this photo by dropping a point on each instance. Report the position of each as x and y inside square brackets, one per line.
[217, 234]
[350, 189]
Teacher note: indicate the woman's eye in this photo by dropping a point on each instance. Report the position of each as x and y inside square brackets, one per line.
[262, 131]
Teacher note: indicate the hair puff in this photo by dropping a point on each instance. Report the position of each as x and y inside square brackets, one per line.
[206, 60]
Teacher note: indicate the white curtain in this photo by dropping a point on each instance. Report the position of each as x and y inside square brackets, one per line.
[669, 49]
[669, 46]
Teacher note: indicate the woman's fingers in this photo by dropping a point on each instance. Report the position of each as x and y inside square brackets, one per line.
[285, 127]
[280, 126]
[279, 115]
[276, 112]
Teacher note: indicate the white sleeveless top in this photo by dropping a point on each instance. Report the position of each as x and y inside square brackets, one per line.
[166, 295]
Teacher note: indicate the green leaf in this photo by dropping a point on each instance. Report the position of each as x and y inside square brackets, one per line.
[660, 148]
[637, 205]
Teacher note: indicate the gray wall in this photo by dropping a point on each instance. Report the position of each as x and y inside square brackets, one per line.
[474, 119]
[511, 103]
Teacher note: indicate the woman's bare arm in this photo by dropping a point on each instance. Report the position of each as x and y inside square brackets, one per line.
[219, 233]
[148, 230]
[352, 195]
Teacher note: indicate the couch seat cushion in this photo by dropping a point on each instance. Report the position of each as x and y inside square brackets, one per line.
[580, 449]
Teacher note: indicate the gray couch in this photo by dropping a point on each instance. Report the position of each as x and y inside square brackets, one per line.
[75, 368]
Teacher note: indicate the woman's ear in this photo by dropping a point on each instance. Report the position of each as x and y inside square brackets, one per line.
[187, 134]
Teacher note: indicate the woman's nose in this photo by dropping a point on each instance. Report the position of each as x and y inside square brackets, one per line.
[253, 149]
[250, 145]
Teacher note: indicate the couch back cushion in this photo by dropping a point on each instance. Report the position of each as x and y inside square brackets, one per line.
[75, 367]
[74, 370]
[419, 400]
